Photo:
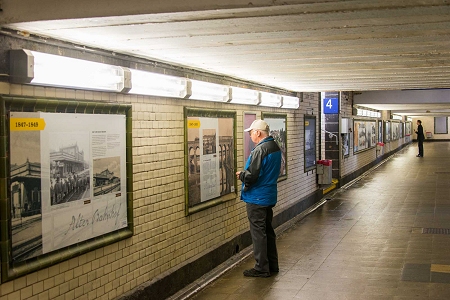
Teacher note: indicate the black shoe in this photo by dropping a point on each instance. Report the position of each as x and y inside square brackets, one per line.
[274, 270]
[255, 273]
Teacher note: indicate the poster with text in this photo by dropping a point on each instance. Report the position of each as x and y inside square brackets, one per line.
[210, 159]
[68, 179]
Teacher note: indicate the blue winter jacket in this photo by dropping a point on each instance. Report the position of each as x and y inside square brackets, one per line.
[260, 176]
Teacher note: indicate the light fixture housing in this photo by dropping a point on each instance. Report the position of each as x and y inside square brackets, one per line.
[245, 96]
[155, 84]
[368, 113]
[271, 100]
[37, 68]
[291, 102]
[207, 91]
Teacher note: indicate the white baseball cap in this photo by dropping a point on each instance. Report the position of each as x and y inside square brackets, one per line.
[258, 125]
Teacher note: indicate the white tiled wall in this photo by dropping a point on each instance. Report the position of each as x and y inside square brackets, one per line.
[165, 238]
[358, 160]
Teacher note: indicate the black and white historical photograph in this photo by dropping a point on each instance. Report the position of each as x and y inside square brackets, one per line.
[359, 135]
[26, 197]
[380, 131]
[387, 131]
[310, 143]
[193, 138]
[209, 141]
[372, 135]
[69, 167]
[395, 130]
[408, 128]
[106, 175]
[345, 144]
[226, 155]
[277, 127]
[364, 135]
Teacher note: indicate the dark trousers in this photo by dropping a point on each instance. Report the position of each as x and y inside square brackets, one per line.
[263, 237]
[420, 148]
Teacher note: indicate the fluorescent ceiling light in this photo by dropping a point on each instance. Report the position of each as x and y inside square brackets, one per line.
[55, 70]
[271, 100]
[290, 102]
[210, 91]
[154, 84]
[244, 96]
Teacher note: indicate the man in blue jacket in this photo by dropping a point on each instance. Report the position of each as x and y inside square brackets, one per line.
[259, 192]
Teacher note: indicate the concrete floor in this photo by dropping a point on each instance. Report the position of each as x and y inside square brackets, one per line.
[384, 236]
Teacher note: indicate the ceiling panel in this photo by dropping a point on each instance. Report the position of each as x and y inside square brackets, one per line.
[318, 46]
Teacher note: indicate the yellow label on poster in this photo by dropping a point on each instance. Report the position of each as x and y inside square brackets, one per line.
[26, 124]
[306, 123]
[193, 123]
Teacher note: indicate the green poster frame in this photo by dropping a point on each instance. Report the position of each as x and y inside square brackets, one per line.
[193, 181]
[11, 270]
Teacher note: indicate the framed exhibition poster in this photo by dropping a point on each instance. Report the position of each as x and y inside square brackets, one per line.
[387, 131]
[395, 129]
[407, 128]
[68, 180]
[371, 134]
[277, 125]
[310, 142]
[364, 135]
[248, 143]
[210, 158]
[359, 135]
[380, 131]
[440, 125]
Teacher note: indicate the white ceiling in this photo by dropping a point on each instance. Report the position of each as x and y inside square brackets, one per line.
[295, 45]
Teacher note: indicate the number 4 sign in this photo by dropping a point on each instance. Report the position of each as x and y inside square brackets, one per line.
[330, 106]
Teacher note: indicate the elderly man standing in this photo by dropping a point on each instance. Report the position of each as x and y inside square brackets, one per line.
[259, 192]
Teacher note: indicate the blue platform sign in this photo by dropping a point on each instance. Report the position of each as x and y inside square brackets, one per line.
[330, 106]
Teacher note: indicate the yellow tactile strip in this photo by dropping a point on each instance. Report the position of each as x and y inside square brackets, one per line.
[426, 273]
[440, 268]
